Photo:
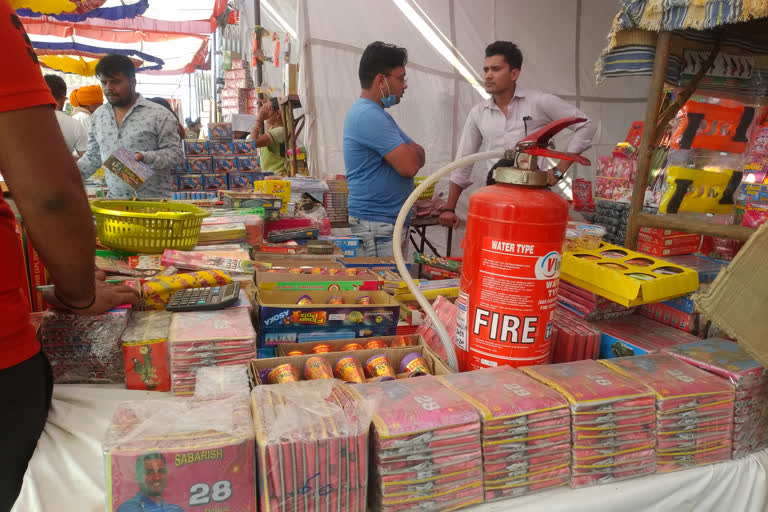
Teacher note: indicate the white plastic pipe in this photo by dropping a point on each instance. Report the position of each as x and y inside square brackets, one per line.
[397, 236]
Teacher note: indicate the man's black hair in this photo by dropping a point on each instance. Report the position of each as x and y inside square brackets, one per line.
[275, 104]
[57, 85]
[509, 51]
[143, 458]
[380, 58]
[113, 64]
[163, 102]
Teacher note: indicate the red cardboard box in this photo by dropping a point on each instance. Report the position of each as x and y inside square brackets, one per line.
[670, 241]
[658, 250]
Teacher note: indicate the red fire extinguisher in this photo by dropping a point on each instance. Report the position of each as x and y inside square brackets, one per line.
[511, 269]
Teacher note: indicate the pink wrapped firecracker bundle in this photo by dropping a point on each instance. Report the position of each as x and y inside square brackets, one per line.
[416, 421]
[526, 427]
[726, 359]
[208, 338]
[312, 445]
[613, 419]
[186, 451]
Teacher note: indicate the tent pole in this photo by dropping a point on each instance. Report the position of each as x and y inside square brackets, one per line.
[649, 131]
[214, 107]
[257, 24]
[189, 86]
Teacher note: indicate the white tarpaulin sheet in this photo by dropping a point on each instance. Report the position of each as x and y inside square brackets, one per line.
[560, 41]
[66, 473]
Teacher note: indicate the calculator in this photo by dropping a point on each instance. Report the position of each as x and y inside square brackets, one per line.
[204, 299]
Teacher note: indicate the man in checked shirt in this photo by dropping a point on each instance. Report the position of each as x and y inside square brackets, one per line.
[131, 121]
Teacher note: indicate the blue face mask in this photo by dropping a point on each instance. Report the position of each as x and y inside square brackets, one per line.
[388, 101]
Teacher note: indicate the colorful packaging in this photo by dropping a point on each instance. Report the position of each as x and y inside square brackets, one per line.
[200, 164]
[195, 148]
[317, 368]
[244, 147]
[208, 338]
[203, 451]
[637, 335]
[283, 373]
[312, 440]
[401, 341]
[84, 349]
[241, 180]
[379, 366]
[193, 260]
[321, 348]
[604, 404]
[145, 351]
[216, 148]
[224, 164]
[413, 363]
[132, 172]
[420, 422]
[248, 163]
[754, 215]
[279, 188]
[157, 291]
[349, 369]
[215, 182]
[220, 131]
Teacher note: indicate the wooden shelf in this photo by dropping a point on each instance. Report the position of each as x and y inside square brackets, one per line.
[677, 223]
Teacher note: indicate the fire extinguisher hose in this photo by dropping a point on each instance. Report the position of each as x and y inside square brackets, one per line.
[398, 251]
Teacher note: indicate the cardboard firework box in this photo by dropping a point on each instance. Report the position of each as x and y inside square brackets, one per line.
[194, 454]
[36, 273]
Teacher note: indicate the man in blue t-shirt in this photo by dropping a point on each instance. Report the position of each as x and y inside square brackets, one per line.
[380, 159]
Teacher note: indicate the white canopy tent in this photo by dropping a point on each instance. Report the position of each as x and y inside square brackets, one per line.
[560, 40]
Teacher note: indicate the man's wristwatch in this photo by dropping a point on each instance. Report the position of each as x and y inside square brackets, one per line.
[558, 173]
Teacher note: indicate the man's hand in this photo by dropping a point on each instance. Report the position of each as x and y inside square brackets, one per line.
[551, 179]
[449, 220]
[108, 296]
[265, 111]
[420, 153]
[139, 157]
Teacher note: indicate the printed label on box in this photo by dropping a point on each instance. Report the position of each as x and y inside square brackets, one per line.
[208, 478]
[124, 166]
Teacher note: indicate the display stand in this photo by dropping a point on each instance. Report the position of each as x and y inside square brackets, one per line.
[654, 127]
[293, 126]
[419, 227]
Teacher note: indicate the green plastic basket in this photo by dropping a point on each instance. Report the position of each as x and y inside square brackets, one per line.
[147, 226]
[427, 194]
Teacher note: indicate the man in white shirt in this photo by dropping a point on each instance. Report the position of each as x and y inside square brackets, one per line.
[75, 135]
[511, 114]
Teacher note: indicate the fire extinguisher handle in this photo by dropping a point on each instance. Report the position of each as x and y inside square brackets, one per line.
[559, 155]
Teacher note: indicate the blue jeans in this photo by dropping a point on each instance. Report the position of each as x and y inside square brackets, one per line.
[376, 238]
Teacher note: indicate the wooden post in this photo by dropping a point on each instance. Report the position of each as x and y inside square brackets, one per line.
[677, 223]
[647, 141]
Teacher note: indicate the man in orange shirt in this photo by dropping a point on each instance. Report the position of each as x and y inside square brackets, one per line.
[48, 191]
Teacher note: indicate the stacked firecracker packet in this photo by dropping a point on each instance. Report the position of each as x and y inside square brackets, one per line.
[573, 338]
[526, 430]
[613, 421]
[208, 338]
[312, 447]
[84, 348]
[694, 410]
[750, 380]
[426, 446]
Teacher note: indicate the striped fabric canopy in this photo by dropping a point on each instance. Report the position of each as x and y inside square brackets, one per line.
[696, 25]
